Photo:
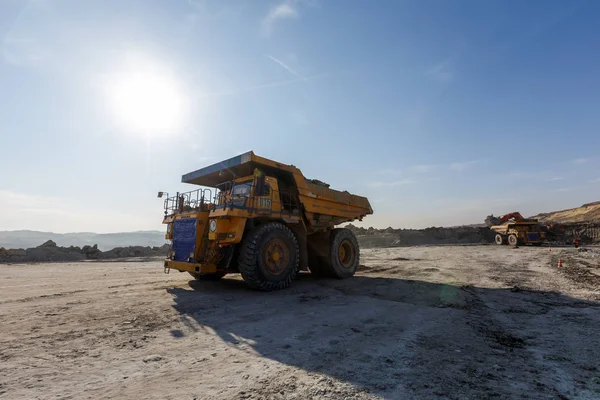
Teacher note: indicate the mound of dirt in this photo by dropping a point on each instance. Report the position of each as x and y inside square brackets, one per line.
[134, 251]
[589, 212]
[586, 233]
[49, 251]
[389, 237]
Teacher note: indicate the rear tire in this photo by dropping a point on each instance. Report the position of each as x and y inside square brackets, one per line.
[344, 253]
[499, 239]
[512, 240]
[269, 257]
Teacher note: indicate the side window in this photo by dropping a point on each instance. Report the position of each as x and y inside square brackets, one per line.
[264, 190]
[262, 187]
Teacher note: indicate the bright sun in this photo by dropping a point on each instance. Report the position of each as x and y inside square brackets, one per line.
[150, 103]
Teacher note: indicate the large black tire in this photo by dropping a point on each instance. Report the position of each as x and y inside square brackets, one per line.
[512, 240]
[344, 253]
[499, 239]
[260, 262]
[208, 277]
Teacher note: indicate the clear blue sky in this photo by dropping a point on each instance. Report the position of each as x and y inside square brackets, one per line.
[441, 112]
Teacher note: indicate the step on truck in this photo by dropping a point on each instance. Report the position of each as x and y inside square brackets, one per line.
[262, 219]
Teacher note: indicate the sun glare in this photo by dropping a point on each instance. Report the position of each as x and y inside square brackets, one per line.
[149, 103]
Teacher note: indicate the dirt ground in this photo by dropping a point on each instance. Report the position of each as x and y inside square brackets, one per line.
[448, 322]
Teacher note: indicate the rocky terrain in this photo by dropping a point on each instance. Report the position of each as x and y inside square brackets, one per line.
[370, 238]
[582, 223]
[445, 322]
[49, 251]
[587, 233]
[586, 213]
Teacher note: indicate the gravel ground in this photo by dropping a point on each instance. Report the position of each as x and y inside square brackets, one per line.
[447, 322]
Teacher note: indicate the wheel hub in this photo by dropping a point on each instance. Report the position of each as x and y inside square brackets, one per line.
[346, 254]
[276, 256]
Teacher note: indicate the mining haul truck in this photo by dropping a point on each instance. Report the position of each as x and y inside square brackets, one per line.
[262, 219]
[513, 229]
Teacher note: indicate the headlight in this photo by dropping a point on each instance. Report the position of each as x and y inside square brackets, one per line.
[213, 225]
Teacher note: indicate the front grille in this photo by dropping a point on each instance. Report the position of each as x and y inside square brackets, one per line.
[184, 238]
[533, 236]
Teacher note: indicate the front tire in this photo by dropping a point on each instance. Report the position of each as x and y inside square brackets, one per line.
[512, 240]
[269, 257]
[499, 239]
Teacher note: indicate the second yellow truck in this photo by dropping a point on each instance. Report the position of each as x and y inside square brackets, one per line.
[263, 219]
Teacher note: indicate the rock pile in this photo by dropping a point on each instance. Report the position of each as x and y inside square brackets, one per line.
[49, 251]
[391, 237]
[585, 233]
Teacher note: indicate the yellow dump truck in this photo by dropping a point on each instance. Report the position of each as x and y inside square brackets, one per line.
[263, 219]
[514, 229]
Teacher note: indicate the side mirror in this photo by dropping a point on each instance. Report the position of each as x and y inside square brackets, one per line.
[160, 195]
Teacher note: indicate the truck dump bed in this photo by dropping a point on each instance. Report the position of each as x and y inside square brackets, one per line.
[322, 206]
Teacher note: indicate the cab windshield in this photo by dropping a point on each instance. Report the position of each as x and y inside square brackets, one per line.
[241, 189]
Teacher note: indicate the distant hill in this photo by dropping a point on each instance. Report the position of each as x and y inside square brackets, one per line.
[586, 213]
[105, 241]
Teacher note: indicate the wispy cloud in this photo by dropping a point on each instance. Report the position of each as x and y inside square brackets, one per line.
[520, 175]
[418, 169]
[34, 205]
[442, 71]
[564, 190]
[378, 200]
[57, 214]
[428, 168]
[236, 91]
[390, 171]
[461, 166]
[554, 179]
[580, 161]
[284, 10]
[401, 182]
[21, 52]
[279, 12]
[286, 67]
[423, 168]
[215, 10]
[299, 118]
[595, 180]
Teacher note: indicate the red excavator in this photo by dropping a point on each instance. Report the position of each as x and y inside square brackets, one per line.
[514, 229]
[515, 216]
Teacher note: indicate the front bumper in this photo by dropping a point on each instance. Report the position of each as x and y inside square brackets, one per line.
[190, 267]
